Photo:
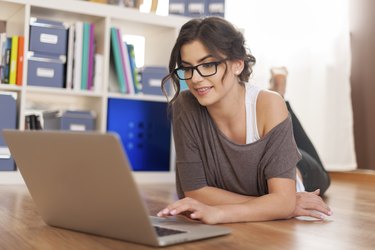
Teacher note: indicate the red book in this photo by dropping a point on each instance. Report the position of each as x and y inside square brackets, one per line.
[20, 56]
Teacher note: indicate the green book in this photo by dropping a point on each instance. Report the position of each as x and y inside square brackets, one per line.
[85, 55]
[117, 60]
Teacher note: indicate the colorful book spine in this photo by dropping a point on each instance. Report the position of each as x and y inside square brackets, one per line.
[85, 55]
[8, 46]
[69, 64]
[77, 61]
[137, 87]
[13, 60]
[90, 80]
[123, 54]
[117, 60]
[3, 44]
[20, 59]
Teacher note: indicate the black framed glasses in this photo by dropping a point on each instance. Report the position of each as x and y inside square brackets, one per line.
[203, 69]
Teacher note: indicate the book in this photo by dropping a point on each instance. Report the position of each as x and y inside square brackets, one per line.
[20, 59]
[134, 71]
[13, 60]
[125, 63]
[91, 58]
[116, 55]
[6, 55]
[32, 122]
[69, 64]
[3, 43]
[98, 73]
[85, 55]
[77, 61]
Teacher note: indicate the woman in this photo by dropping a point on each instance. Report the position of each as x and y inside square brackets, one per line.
[235, 152]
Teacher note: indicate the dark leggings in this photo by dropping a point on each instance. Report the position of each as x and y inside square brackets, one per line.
[313, 173]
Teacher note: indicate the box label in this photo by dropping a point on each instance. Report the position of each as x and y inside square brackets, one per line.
[154, 82]
[48, 38]
[45, 72]
[77, 127]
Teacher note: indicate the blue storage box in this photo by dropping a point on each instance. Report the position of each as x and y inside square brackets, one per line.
[145, 132]
[215, 8]
[151, 80]
[196, 8]
[177, 7]
[6, 162]
[69, 120]
[45, 70]
[8, 120]
[48, 36]
[78, 121]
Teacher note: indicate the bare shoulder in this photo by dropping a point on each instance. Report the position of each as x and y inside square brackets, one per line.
[271, 111]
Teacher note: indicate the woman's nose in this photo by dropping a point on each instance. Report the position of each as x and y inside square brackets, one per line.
[196, 76]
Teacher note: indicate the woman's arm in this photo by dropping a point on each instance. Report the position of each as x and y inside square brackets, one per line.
[216, 196]
[278, 204]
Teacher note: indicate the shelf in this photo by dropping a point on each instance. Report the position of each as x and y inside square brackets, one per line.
[11, 177]
[140, 97]
[157, 32]
[61, 91]
[9, 87]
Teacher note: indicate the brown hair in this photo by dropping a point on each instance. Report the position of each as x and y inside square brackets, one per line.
[220, 37]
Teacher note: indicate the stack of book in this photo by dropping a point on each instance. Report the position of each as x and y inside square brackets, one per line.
[84, 66]
[11, 59]
[124, 62]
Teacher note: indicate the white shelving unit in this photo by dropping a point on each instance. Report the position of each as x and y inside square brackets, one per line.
[159, 32]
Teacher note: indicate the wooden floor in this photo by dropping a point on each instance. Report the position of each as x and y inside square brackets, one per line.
[352, 226]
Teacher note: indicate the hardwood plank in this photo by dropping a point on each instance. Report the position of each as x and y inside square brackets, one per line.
[351, 197]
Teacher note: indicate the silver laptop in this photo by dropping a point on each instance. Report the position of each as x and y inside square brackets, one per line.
[83, 181]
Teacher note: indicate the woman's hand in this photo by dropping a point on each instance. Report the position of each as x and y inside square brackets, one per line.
[193, 209]
[311, 204]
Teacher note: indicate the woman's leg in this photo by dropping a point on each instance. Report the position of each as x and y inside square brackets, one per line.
[302, 140]
[313, 174]
[310, 166]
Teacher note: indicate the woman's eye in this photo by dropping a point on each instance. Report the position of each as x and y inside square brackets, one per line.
[208, 65]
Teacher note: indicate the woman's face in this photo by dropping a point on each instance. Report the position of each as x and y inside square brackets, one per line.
[212, 89]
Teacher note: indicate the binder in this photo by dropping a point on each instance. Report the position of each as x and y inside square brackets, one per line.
[20, 58]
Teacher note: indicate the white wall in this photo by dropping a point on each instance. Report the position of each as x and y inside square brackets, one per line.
[310, 38]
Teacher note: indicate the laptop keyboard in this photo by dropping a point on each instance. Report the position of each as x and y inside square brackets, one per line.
[162, 231]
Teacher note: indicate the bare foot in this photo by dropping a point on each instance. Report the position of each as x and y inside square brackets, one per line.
[278, 80]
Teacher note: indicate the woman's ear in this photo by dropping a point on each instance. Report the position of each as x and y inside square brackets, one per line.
[237, 66]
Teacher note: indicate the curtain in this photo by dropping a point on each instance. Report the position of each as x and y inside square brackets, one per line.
[310, 38]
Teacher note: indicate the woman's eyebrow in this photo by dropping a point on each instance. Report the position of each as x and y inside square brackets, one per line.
[200, 60]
